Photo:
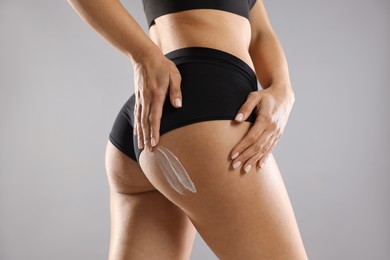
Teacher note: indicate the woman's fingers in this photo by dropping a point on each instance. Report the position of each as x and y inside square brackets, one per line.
[145, 122]
[254, 133]
[152, 78]
[254, 150]
[140, 135]
[135, 119]
[260, 139]
[151, 116]
[155, 115]
[175, 89]
[252, 100]
[254, 147]
[261, 162]
[259, 153]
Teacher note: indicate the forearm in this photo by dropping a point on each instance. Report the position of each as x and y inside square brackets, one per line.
[269, 61]
[112, 21]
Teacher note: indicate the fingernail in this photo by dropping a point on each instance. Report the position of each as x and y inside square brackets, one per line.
[236, 164]
[247, 168]
[178, 102]
[262, 165]
[239, 116]
[234, 156]
[153, 142]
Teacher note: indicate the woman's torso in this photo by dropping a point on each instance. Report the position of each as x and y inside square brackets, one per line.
[203, 27]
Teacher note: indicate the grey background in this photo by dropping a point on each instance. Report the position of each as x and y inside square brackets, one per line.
[62, 86]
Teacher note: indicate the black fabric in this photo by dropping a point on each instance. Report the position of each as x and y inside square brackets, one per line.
[156, 8]
[214, 86]
[122, 131]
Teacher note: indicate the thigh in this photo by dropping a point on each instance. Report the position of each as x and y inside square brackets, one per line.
[144, 223]
[240, 216]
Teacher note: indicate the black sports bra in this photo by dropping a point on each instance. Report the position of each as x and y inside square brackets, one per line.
[156, 8]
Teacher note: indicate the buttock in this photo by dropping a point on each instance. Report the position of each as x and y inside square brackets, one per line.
[214, 86]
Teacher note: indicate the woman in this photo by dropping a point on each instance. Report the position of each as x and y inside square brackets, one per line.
[195, 71]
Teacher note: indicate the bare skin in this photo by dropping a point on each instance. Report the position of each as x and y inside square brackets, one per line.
[239, 215]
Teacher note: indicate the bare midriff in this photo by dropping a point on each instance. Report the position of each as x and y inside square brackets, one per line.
[211, 28]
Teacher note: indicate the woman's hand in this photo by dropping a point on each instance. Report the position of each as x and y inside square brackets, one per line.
[272, 107]
[153, 75]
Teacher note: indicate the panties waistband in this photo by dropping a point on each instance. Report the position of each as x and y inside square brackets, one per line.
[202, 54]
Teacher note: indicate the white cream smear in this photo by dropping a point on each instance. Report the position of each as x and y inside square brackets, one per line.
[173, 170]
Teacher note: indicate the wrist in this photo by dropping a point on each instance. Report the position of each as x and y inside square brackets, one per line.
[285, 89]
[145, 52]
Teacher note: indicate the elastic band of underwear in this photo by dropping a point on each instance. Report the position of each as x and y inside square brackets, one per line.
[196, 53]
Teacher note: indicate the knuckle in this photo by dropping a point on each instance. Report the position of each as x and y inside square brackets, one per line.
[245, 108]
[253, 138]
[257, 147]
[267, 116]
[154, 117]
[140, 134]
[177, 75]
[137, 113]
[145, 92]
[274, 125]
[262, 150]
[268, 147]
[176, 90]
[253, 94]
[265, 146]
[150, 117]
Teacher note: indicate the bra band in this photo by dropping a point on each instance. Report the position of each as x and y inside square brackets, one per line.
[157, 8]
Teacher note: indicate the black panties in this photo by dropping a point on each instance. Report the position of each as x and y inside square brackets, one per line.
[214, 85]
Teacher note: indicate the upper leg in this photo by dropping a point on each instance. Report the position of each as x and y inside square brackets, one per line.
[144, 223]
[124, 174]
[240, 216]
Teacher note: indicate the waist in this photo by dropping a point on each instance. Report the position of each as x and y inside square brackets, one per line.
[203, 27]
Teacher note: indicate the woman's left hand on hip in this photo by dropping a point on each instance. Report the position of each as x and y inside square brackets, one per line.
[272, 107]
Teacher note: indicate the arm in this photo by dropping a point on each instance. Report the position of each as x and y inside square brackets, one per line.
[273, 103]
[266, 52]
[111, 20]
[154, 74]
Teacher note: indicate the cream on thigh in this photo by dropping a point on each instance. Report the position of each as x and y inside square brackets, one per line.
[239, 215]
